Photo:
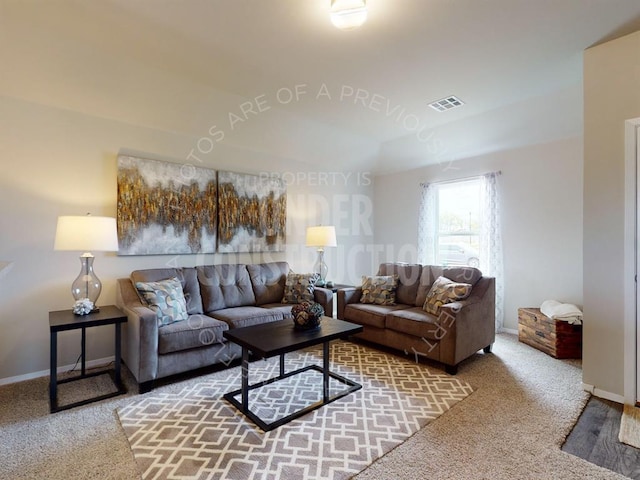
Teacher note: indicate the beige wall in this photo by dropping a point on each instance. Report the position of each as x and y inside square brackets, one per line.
[71, 101]
[611, 96]
[541, 193]
[60, 162]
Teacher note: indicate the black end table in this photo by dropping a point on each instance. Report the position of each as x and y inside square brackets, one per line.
[337, 286]
[63, 320]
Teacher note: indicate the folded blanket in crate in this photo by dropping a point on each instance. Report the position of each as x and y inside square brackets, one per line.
[562, 311]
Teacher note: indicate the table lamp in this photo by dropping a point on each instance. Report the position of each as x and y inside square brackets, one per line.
[86, 234]
[321, 237]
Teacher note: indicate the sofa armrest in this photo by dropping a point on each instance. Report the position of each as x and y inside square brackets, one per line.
[140, 351]
[454, 307]
[324, 296]
[468, 325]
[346, 296]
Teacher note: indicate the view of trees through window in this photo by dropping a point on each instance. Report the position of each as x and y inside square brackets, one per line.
[458, 222]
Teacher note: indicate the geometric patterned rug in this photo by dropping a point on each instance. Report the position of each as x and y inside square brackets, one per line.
[196, 434]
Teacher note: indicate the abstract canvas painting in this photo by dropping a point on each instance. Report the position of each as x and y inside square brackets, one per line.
[252, 212]
[165, 208]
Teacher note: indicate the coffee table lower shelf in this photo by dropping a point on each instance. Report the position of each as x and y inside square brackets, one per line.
[231, 398]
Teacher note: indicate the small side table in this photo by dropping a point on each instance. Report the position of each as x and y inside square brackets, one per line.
[334, 288]
[63, 320]
[337, 286]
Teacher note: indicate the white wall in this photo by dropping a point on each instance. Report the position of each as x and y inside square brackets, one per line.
[58, 162]
[611, 96]
[541, 201]
[78, 89]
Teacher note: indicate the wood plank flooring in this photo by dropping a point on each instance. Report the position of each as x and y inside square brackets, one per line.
[594, 438]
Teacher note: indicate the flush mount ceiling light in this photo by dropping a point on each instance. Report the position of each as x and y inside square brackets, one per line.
[348, 14]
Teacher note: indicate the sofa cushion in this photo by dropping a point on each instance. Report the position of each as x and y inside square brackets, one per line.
[225, 286]
[268, 281]
[379, 289]
[414, 321]
[187, 277]
[283, 308]
[445, 291]
[196, 331]
[369, 314]
[299, 287]
[166, 299]
[239, 317]
[469, 275]
[426, 281]
[408, 280]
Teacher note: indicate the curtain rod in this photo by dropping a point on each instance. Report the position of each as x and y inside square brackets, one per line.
[499, 172]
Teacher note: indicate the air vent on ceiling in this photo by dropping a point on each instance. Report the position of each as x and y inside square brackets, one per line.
[446, 103]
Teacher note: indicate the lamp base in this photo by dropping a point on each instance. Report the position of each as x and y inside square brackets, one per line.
[87, 284]
[321, 269]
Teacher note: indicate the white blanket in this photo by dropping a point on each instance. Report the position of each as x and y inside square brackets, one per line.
[562, 311]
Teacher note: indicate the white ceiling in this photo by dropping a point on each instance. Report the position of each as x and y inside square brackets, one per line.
[362, 94]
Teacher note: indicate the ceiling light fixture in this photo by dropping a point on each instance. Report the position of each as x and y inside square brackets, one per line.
[348, 14]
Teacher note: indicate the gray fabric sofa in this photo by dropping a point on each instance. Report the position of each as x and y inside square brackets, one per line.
[218, 297]
[458, 331]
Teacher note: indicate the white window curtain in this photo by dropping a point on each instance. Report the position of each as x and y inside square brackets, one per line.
[491, 262]
[427, 225]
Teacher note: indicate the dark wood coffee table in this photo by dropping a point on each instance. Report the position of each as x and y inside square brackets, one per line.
[278, 338]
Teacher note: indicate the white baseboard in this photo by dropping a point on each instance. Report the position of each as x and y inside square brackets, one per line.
[596, 392]
[65, 368]
[509, 330]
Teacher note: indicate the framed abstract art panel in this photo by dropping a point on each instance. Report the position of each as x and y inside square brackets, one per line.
[165, 208]
[252, 212]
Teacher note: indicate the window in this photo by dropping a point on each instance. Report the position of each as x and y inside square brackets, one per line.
[458, 223]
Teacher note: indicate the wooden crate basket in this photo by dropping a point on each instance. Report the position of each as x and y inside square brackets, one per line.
[555, 337]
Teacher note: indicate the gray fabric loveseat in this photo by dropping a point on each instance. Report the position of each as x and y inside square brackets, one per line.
[452, 333]
[216, 297]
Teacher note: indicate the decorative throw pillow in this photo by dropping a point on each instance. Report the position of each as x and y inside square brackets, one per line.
[445, 291]
[299, 287]
[166, 298]
[379, 289]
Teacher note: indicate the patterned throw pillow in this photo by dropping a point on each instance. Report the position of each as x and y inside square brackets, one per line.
[379, 289]
[445, 291]
[299, 287]
[166, 298]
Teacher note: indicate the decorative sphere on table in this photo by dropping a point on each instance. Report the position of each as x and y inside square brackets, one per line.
[307, 315]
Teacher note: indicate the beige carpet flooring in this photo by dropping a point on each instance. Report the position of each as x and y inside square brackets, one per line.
[512, 427]
[630, 426]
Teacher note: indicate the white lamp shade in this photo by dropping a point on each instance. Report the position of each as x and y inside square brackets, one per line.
[321, 236]
[86, 233]
[348, 14]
